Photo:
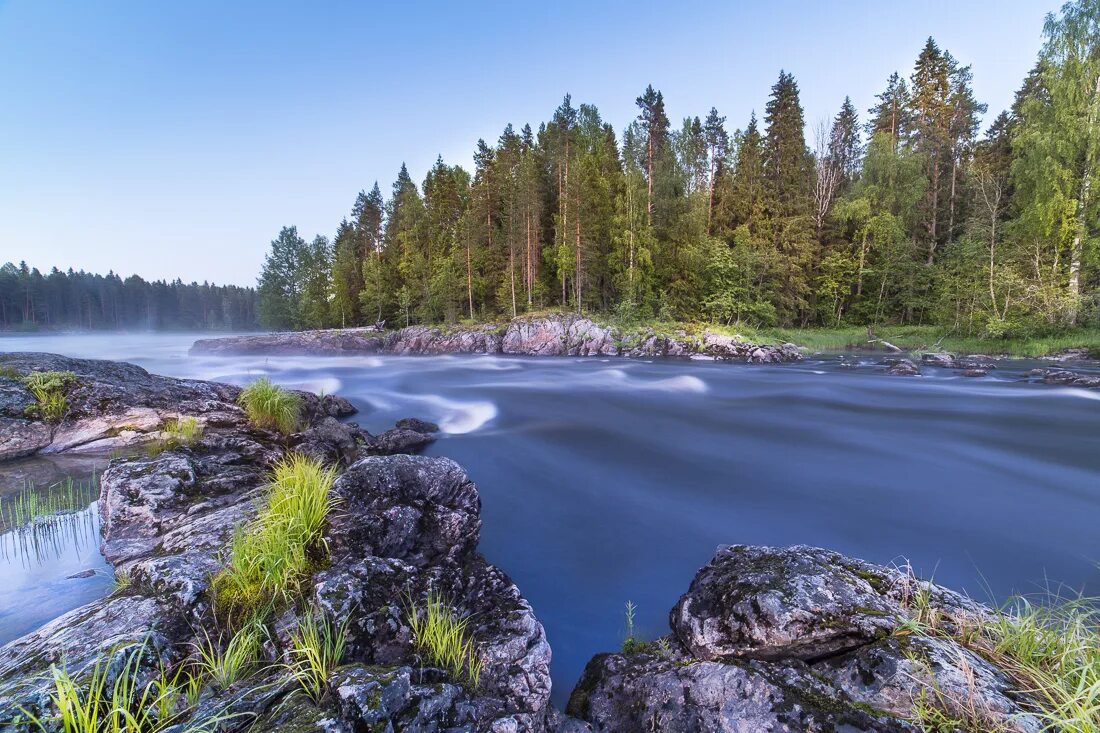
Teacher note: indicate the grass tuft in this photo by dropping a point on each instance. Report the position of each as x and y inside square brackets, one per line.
[270, 407]
[317, 648]
[182, 432]
[35, 506]
[271, 557]
[443, 636]
[50, 391]
[1049, 649]
[112, 699]
[225, 664]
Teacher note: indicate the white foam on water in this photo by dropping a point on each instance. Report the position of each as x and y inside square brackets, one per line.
[682, 383]
[453, 416]
[457, 417]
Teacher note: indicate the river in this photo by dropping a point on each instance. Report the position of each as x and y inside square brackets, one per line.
[612, 480]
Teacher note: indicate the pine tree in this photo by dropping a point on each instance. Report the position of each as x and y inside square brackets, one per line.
[717, 144]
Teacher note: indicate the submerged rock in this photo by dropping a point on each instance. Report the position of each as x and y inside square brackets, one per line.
[902, 367]
[1065, 377]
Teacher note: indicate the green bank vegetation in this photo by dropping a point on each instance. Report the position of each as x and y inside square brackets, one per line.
[271, 407]
[1049, 648]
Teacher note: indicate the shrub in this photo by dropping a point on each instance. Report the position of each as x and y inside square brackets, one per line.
[444, 638]
[270, 407]
[282, 546]
[50, 390]
[317, 648]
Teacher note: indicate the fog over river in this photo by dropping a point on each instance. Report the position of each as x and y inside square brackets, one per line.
[605, 480]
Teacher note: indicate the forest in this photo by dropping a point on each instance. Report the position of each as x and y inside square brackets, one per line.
[907, 214]
[31, 301]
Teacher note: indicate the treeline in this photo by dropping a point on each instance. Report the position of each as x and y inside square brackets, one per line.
[30, 300]
[908, 215]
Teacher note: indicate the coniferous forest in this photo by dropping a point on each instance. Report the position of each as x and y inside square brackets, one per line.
[907, 213]
[30, 300]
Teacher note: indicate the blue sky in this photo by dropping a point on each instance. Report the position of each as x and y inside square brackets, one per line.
[175, 139]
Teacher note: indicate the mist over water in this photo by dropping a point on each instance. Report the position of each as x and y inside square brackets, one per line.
[607, 480]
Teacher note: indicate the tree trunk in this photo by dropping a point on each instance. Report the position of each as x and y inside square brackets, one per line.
[1081, 228]
[469, 278]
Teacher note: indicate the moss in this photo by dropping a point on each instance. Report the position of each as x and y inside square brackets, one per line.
[876, 581]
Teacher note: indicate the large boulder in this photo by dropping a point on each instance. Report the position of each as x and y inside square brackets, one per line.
[803, 639]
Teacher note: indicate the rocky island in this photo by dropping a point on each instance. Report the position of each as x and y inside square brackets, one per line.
[764, 639]
[553, 335]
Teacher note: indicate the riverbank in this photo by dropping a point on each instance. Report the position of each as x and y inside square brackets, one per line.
[564, 334]
[549, 335]
[1084, 341]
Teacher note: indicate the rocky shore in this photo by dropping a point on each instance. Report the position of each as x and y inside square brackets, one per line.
[556, 335]
[764, 639]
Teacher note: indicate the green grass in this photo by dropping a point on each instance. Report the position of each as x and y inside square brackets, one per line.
[50, 391]
[181, 432]
[223, 664]
[33, 505]
[316, 649]
[1050, 650]
[444, 638]
[930, 338]
[271, 557]
[7, 372]
[113, 699]
[270, 407]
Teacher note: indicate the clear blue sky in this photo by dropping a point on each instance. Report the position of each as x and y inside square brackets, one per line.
[175, 138]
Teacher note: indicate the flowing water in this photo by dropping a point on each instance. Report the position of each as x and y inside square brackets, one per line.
[608, 480]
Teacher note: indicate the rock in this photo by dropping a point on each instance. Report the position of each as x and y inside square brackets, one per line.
[555, 335]
[649, 693]
[296, 343]
[904, 367]
[333, 442]
[89, 573]
[759, 603]
[427, 340]
[417, 425]
[885, 674]
[975, 361]
[1065, 377]
[801, 639]
[79, 639]
[19, 438]
[940, 359]
[412, 508]
[973, 372]
[1080, 353]
[399, 440]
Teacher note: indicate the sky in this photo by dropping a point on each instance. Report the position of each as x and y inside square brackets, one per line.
[175, 139]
